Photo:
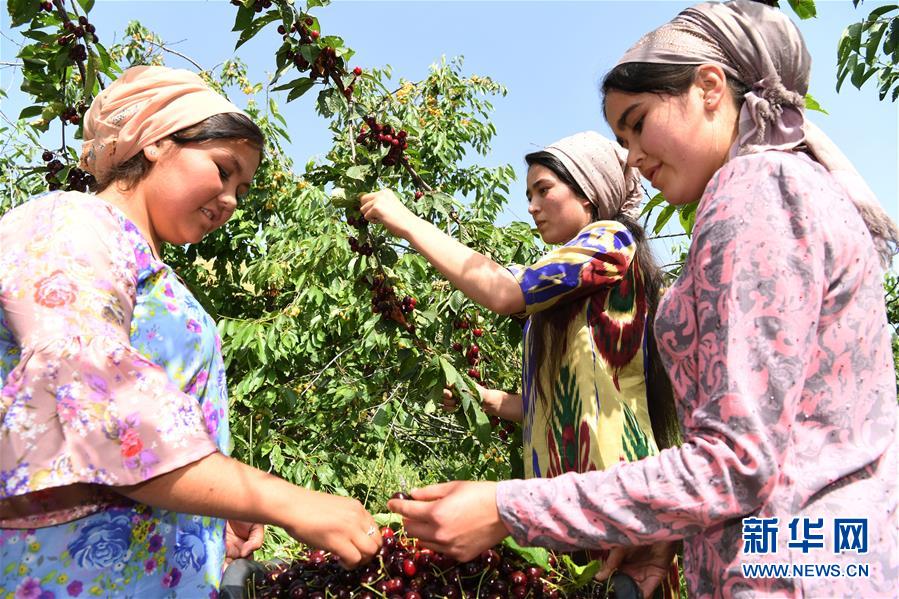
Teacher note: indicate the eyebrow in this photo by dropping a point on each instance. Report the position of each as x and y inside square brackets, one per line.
[527, 189]
[623, 118]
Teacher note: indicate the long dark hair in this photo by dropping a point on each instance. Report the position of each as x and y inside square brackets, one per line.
[549, 328]
[228, 125]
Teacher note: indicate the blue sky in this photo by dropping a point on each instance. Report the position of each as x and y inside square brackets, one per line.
[550, 55]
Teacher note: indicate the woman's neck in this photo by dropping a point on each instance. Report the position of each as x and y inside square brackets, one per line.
[132, 203]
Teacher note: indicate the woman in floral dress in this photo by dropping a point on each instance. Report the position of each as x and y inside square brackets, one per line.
[114, 475]
[775, 337]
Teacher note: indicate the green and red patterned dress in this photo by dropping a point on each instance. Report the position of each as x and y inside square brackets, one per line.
[597, 415]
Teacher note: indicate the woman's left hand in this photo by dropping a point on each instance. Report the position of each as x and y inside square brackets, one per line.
[458, 518]
[383, 207]
[242, 539]
[647, 565]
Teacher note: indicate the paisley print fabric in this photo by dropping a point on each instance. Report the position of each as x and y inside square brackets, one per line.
[598, 414]
[777, 343]
[112, 374]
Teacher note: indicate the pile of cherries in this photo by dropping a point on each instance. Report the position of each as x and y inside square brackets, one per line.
[404, 570]
[373, 135]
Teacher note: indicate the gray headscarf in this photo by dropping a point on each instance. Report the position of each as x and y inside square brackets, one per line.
[599, 166]
[759, 46]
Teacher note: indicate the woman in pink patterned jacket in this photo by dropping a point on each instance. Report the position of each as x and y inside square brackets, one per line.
[775, 338]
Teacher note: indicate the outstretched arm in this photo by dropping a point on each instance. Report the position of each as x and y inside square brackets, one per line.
[474, 274]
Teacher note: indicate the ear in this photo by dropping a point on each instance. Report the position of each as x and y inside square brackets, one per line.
[153, 151]
[712, 84]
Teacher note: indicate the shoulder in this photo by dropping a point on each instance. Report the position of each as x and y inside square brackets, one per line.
[603, 235]
[62, 209]
[765, 185]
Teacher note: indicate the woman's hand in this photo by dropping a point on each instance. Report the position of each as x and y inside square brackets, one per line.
[383, 207]
[497, 403]
[459, 518]
[337, 524]
[242, 539]
[648, 565]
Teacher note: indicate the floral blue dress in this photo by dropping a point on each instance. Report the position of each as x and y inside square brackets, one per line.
[112, 374]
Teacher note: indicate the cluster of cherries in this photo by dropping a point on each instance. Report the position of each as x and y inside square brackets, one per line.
[385, 302]
[258, 5]
[373, 135]
[76, 179]
[473, 356]
[73, 32]
[404, 570]
[473, 353]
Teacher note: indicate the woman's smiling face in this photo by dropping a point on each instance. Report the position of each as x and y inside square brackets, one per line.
[677, 142]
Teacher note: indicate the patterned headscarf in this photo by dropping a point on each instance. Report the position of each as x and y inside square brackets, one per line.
[599, 166]
[759, 46]
[144, 105]
[755, 44]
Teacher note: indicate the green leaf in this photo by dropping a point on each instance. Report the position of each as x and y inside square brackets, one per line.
[875, 34]
[534, 555]
[388, 519]
[861, 73]
[87, 5]
[30, 111]
[243, 18]
[687, 216]
[90, 76]
[22, 11]
[304, 86]
[581, 575]
[804, 9]
[456, 301]
[358, 172]
[812, 104]
[250, 31]
[663, 218]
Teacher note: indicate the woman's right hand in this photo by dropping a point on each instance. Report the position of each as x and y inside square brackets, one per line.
[384, 208]
[337, 524]
[494, 402]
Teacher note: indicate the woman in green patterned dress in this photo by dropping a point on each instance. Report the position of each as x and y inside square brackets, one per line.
[593, 392]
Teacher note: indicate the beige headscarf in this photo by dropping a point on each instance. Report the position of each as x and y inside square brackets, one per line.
[144, 105]
[599, 166]
[759, 46]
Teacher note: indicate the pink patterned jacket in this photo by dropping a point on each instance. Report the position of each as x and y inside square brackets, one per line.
[776, 340]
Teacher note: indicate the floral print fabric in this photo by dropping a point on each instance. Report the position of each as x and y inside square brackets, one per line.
[112, 374]
[598, 414]
[777, 343]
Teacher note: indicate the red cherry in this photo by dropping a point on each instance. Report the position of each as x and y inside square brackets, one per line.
[314, 34]
[477, 332]
[457, 346]
[419, 194]
[474, 373]
[409, 568]
[357, 71]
